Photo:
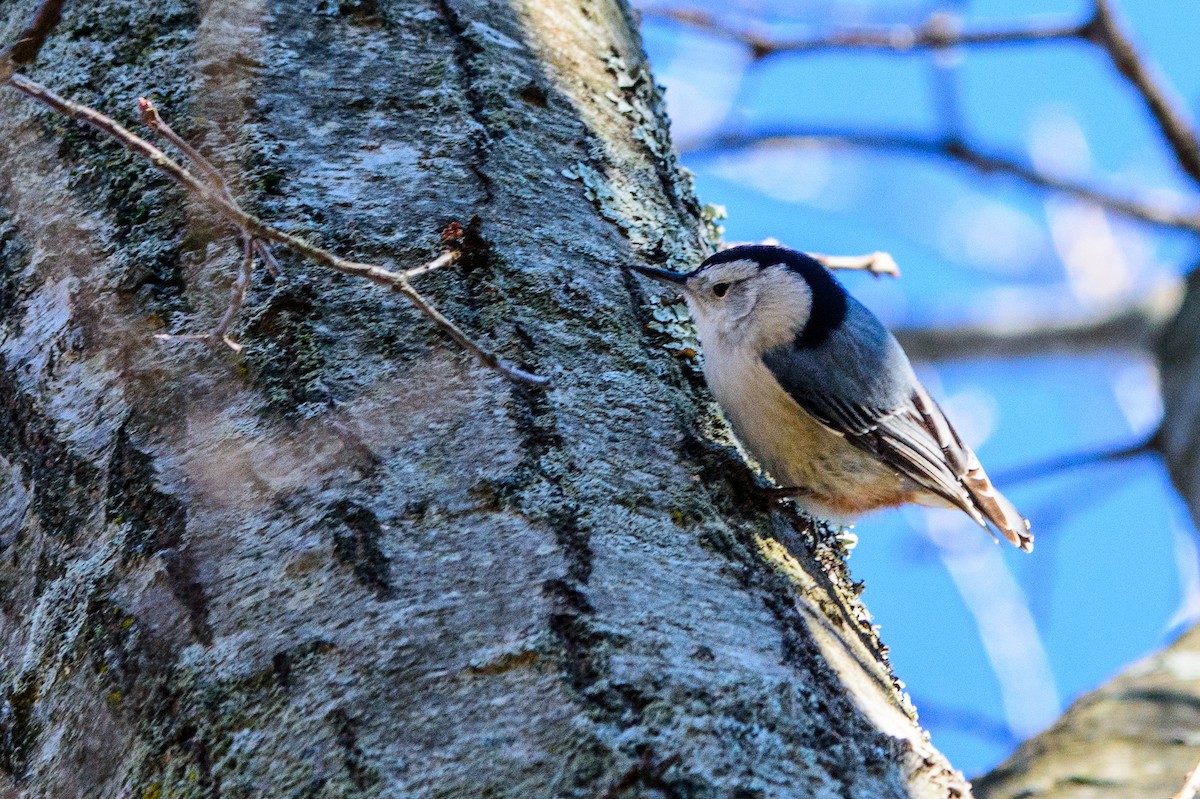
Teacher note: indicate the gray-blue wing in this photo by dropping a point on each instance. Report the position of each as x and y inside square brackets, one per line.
[859, 384]
[911, 435]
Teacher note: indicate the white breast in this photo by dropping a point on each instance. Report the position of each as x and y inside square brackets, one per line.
[794, 448]
[768, 422]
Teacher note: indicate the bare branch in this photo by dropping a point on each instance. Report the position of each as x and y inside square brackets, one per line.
[939, 31]
[268, 258]
[251, 244]
[250, 225]
[1132, 327]
[943, 31]
[151, 118]
[30, 42]
[1078, 460]
[445, 259]
[237, 294]
[1105, 31]
[1191, 785]
[877, 263]
[957, 150]
[155, 122]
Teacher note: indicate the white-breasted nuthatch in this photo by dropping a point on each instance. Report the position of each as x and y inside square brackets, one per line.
[822, 395]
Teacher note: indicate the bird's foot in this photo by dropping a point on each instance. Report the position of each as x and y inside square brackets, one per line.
[786, 493]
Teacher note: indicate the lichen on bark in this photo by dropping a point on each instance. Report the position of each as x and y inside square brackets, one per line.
[352, 562]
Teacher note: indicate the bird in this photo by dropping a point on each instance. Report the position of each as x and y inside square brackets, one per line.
[822, 395]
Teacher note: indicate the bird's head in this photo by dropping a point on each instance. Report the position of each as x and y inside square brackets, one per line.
[759, 297]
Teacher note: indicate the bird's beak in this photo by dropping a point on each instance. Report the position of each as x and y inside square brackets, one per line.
[661, 275]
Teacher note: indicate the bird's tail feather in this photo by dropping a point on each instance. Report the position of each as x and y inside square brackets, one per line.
[996, 507]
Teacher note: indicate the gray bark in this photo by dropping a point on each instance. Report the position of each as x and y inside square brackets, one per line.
[350, 561]
[1179, 363]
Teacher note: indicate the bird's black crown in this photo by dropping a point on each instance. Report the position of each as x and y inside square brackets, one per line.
[830, 302]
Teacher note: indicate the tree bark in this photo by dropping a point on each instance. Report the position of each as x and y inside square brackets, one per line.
[1179, 364]
[1134, 738]
[350, 561]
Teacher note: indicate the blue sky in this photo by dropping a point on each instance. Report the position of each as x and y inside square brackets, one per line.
[991, 642]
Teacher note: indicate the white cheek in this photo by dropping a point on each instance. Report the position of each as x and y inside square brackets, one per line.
[781, 312]
[705, 319]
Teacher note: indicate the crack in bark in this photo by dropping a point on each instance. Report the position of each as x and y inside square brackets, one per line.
[356, 537]
[19, 729]
[744, 509]
[361, 776]
[14, 259]
[466, 49]
[156, 523]
[570, 622]
[540, 439]
[155, 520]
[62, 483]
[581, 644]
[647, 772]
[187, 588]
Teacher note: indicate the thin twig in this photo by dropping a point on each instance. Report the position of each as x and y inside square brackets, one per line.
[1191, 786]
[250, 244]
[1106, 32]
[877, 263]
[268, 258]
[237, 294]
[30, 42]
[250, 224]
[939, 31]
[255, 245]
[957, 150]
[445, 259]
[154, 120]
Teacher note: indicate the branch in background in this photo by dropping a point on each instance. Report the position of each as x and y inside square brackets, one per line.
[1134, 326]
[957, 150]
[934, 713]
[1000, 608]
[877, 263]
[1191, 785]
[251, 226]
[942, 31]
[939, 31]
[1105, 32]
[1078, 460]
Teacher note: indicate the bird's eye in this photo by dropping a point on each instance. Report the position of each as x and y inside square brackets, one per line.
[720, 289]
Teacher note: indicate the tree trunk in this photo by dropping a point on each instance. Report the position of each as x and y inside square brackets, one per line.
[1179, 362]
[350, 561]
[1134, 738]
